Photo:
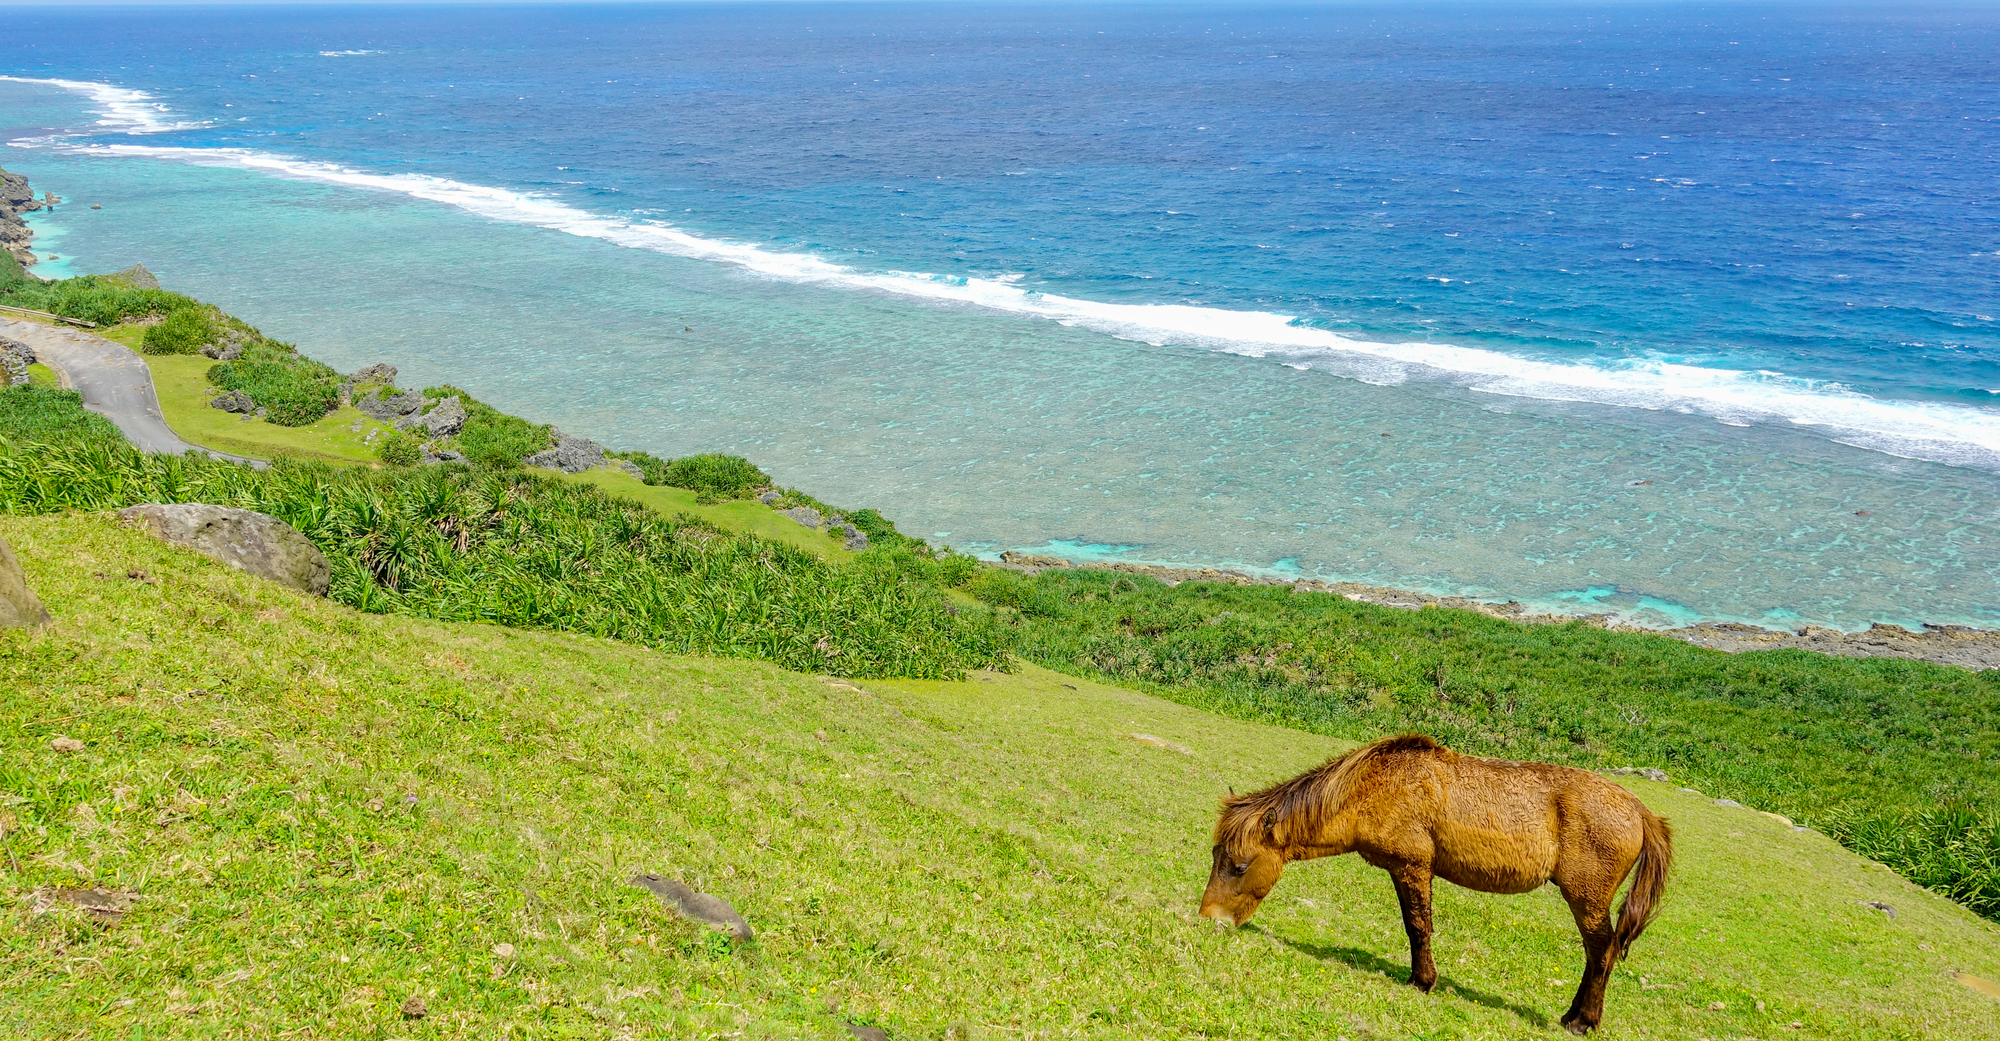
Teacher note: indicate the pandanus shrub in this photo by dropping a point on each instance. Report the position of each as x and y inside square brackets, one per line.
[513, 548]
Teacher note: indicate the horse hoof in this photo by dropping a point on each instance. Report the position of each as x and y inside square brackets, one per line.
[1423, 985]
[1577, 1027]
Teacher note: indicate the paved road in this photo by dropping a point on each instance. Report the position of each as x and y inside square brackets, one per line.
[113, 381]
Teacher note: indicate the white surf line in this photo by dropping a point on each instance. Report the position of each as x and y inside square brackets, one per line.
[1940, 432]
[119, 109]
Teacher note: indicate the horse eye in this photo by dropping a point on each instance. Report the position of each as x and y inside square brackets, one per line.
[1240, 868]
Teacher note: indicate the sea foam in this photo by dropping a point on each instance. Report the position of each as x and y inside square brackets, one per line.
[119, 109]
[1940, 432]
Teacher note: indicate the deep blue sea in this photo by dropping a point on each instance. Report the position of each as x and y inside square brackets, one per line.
[1681, 311]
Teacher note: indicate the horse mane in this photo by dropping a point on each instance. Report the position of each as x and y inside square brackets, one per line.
[1303, 804]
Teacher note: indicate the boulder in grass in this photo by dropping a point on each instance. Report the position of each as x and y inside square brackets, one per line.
[257, 543]
[571, 455]
[375, 406]
[381, 372]
[235, 401]
[20, 608]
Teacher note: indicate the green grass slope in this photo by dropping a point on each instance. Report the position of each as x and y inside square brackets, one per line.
[318, 814]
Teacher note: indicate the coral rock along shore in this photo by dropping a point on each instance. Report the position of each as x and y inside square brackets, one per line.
[17, 198]
[1943, 644]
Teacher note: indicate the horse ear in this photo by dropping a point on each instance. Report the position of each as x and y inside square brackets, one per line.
[1232, 791]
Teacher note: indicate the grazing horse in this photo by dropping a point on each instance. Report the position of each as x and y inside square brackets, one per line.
[1418, 810]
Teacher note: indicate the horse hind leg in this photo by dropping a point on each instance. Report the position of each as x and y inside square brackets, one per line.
[1592, 911]
[1413, 892]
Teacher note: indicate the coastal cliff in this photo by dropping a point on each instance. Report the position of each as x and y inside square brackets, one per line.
[17, 198]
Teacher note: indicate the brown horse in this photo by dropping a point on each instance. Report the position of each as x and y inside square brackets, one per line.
[1418, 810]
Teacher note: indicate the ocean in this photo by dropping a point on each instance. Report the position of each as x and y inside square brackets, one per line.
[1680, 312]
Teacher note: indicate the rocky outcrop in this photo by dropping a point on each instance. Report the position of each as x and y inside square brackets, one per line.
[235, 401]
[375, 406]
[256, 543]
[442, 419]
[20, 608]
[381, 372]
[15, 357]
[135, 276]
[571, 455]
[17, 198]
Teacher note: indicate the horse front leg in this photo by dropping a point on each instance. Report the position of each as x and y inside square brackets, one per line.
[1413, 892]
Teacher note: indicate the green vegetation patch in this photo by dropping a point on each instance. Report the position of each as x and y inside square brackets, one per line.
[491, 437]
[712, 476]
[1865, 749]
[184, 330]
[33, 413]
[310, 816]
[92, 298]
[513, 548]
[294, 389]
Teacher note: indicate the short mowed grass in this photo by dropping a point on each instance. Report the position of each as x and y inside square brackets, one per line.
[319, 814]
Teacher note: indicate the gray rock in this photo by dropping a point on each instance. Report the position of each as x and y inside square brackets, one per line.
[1648, 772]
[770, 497]
[805, 515]
[445, 418]
[861, 1033]
[571, 455]
[632, 468]
[380, 372]
[234, 401]
[713, 912]
[1727, 802]
[256, 543]
[1877, 905]
[135, 276]
[445, 456]
[857, 540]
[15, 357]
[375, 406]
[223, 351]
[20, 608]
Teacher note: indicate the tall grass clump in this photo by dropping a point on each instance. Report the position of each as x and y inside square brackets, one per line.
[184, 330]
[512, 548]
[31, 414]
[92, 298]
[294, 389]
[712, 476]
[1860, 748]
[491, 437]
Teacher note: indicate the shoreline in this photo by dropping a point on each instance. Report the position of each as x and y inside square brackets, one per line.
[1946, 644]
[1959, 645]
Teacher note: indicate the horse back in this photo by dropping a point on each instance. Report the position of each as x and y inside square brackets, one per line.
[1509, 827]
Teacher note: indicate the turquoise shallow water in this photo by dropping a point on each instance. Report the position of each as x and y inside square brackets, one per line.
[989, 431]
[1680, 313]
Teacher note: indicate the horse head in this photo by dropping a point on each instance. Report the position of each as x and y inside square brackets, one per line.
[1246, 864]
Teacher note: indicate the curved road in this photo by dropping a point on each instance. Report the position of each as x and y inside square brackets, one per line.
[113, 381]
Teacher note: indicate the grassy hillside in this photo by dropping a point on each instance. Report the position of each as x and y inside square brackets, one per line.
[318, 814]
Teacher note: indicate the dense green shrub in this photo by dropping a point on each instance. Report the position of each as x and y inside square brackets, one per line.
[491, 437]
[514, 548]
[90, 297]
[38, 414]
[295, 390]
[184, 330]
[400, 450]
[713, 477]
[1953, 849]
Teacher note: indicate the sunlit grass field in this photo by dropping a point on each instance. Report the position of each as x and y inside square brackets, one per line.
[319, 814]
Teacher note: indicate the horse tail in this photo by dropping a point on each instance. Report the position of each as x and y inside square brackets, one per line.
[1649, 880]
